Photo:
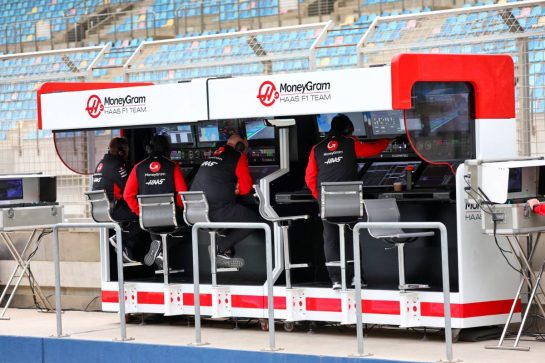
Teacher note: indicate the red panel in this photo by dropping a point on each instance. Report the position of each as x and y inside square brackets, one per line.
[257, 302]
[151, 298]
[53, 87]
[492, 77]
[470, 310]
[109, 297]
[387, 307]
[206, 299]
[323, 304]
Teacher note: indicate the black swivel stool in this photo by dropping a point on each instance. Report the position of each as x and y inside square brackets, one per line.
[158, 216]
[101, 209]
[284, 224]
[341, 203]
[386, 210]
[196, 210]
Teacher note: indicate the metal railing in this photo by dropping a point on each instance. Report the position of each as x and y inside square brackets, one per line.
[444, 272]
[121, 283]
[269, 283]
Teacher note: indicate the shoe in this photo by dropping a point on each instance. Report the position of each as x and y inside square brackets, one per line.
[223, 260]
[154, 250]
[127, 256]
[336, 286]
[113, 241]
[159, 261]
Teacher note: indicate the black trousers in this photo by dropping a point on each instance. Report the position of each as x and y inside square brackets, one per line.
[134, 238]
[332, 251]
[233, 212]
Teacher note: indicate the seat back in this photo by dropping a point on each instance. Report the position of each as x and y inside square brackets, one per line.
[341, 200]
[158, 211]
[382, 210]
[195, 207]
[100, 206]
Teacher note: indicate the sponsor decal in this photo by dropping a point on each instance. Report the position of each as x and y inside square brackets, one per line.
[155, 182]
[332, 145]
[472, 211]
[155, 166]
[219, 151]
[115, 105]
[94, 106]
[333, 160]
[268, 94]
[209, 163]
[99, 167]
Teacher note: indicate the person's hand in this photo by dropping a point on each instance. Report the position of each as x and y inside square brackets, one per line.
[532, 203]
[237, 189]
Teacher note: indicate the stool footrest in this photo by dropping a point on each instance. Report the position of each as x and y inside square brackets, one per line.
[299, 265]
[227, 269]
[159, 272]
[336, 263]
[132, 264]
[413, 286]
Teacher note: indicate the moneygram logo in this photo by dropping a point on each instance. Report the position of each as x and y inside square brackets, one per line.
[267, 94]
[219, 151]
[332, 145]
[94, 106]
[99, 167]
[155, 167]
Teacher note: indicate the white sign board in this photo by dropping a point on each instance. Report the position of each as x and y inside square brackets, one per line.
[351, 90]
[128, 106]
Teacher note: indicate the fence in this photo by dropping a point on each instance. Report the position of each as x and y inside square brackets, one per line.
[516, 28]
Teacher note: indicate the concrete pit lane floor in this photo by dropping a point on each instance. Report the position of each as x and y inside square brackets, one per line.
[338, 341]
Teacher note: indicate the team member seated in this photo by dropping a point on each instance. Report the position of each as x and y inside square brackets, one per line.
[222, 177]
[156, 174]
[537, 206]
[334, 159]
[111, 176]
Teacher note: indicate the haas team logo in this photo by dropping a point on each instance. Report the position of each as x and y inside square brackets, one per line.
[94, 106]
[155, 167]
[219, 151]
[332, 145]
[99, 167]
[267, 94]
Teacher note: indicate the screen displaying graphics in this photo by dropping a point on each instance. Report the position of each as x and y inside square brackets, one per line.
[385, 122]
[324, 122]
[257, 130]
[181, 134]
[11, 189]
[209, 132]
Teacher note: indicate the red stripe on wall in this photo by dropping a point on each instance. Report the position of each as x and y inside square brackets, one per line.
[380, 307]
[470, 310]
[323, 304]
[109, 297]
[257, 302]
[151, 298]
[189, 300]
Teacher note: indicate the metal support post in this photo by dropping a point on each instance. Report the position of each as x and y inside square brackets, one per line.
[287, 263]
[269, 283]
[401, 265]
[213, 250]
[444, 271]
[121, 287]
[165, 258]
[342, 244]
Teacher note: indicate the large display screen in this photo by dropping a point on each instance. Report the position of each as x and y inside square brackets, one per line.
[11, 189]
[443, 112]
[209, 132]
[257, 130]
[181, 134]
[385, 122]
[324, 122]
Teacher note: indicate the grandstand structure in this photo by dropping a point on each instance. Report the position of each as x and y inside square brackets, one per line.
[164, 41]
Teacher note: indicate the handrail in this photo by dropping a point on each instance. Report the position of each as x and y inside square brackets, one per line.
[268, 257]
[56, 262]
[445, 275]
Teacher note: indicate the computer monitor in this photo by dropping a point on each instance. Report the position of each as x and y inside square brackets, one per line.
[324, 122]
[208, 132]
[11, 189]
[385, 123]
[180, 134]
[257, 130]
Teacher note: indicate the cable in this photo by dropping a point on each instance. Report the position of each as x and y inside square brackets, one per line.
[30, 275]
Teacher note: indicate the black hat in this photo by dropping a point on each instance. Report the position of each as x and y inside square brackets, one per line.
[341, 125]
